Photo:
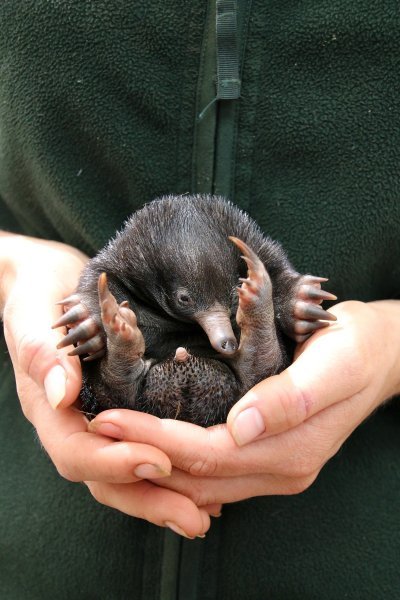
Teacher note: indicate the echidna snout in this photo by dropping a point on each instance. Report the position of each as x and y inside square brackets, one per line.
[217, 325]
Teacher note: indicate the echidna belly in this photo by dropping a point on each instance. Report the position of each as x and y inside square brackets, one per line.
[200, 390]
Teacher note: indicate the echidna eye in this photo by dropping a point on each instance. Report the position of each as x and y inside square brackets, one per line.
[184, 299]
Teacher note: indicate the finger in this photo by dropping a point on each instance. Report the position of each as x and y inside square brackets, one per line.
[79, 455]
[189, 446]
[200, 452]
[235, 489]
[214, 510]
[329, 370]
[306, 448]
[163, 507]
[213, 453]
[33, 344]
[87, 456]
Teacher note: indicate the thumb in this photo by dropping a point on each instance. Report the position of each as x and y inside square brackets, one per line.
[32, 344]
[270, 407]
[329, 369]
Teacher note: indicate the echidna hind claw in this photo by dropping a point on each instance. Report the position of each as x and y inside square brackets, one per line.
[119, 320]
[255, 289]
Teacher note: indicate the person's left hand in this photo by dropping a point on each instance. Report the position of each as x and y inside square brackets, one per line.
[282, 432]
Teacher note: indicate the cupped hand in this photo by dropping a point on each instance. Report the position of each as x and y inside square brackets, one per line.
[279, 436]
[35, 274]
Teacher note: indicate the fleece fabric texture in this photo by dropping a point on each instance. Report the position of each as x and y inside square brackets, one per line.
[99, 105]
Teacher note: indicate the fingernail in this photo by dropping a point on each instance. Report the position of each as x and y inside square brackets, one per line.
[216, 515]
[247, 426]
[176, 529]
[149, 471]
[55, 385]
[107, 429]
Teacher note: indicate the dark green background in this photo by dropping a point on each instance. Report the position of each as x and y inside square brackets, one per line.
[98, 114]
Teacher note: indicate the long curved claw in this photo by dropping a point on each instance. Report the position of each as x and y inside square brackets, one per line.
[256, 287]
[73, 299]
[307, 315]
[95, 356]
[76, 313]
[254, 264]
[314, 279]
[301, 338]
[306, 327]
[92, 346]
[108, 304]
[85, 330]
[314, 293]
[312, 312]
[117, 318]
[119, 321]
[102, 287]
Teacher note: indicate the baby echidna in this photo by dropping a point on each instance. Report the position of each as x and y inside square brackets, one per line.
[170, 319]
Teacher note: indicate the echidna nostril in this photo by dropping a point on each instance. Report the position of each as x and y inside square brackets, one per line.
[229, 346]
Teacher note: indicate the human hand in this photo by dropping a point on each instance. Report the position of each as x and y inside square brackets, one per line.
[298, 419]
[35, 274]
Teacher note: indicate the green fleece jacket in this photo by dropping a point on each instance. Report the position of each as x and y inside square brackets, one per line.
[290, 108]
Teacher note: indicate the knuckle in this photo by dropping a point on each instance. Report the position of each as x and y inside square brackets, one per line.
[294, 405]
[35, 355]
[355, 365]
[303, 466]
[66, 466]
[27, 396]
[298, 485]
[66, 472]
[97, 492]
[28, 349]
[205, 467]
[200, 496]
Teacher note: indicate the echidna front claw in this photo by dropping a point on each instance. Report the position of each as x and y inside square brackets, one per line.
[95, 347]
[311, 312]
[307, 315]
[84, 332]
[314, 293]
[76, 313]
[73, 299]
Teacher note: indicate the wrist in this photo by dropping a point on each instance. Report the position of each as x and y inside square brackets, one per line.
[34, 262]
[7, 266]
[388, 315]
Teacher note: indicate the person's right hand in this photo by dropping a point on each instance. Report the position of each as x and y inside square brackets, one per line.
[35, 275]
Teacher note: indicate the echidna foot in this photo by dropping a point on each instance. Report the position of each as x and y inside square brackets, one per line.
[119, 322]
[255, 293]
[181, 355]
